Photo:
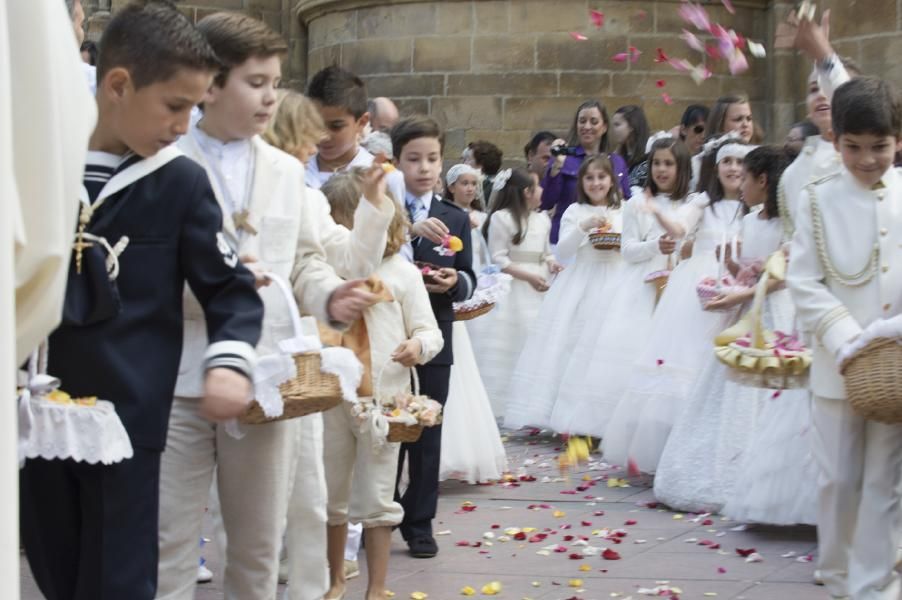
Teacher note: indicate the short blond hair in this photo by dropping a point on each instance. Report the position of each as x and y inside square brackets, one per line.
[344, 189]
[295, 124]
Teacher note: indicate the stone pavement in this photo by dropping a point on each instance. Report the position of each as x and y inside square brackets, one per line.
[543, 537]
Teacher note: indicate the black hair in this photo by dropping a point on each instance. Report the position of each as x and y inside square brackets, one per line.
[573, 135]
[334, 86]
[632, 149]
[91, 48]
[511, 197]
[153, 40]
[693, 114]
[412, 128]
[487, 156]
[770, 161]
[536, 141]
[808, 128]
[683, 166]
[867, 105]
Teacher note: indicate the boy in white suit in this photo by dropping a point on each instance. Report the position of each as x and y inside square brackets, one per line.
[261, 191]
[845, 274]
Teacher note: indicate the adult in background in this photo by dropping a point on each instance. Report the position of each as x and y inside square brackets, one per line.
[691, 129]
[383, 114]
[588, 136]
[487, 158]
[795, 138]
[629, 131]
[538, 152]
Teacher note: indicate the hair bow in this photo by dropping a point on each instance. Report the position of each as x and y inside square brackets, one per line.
[661, 135]
[501, 180]
[714, 143]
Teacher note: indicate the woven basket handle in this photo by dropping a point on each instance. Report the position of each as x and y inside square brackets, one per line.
[294, 311]
[37, 362]
[486, 256]
[377, 382]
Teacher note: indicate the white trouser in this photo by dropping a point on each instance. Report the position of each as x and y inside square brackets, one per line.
[305, 539]
[252, 481]
[859, 515]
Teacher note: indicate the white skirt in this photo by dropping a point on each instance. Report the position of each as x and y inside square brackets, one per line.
[471, 444]
[678, 347]
[570, 308]
[598, 364]
[502, 334]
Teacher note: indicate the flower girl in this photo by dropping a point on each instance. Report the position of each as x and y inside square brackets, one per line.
[681, 332]
[711, 438]
[597, 372]
[518, 244]
[471, 444]
[360, 465]
[578, 293]
[776, 480]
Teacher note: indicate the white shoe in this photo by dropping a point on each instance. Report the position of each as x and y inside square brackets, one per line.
[352, 569]
[204, 575]
[818, 578]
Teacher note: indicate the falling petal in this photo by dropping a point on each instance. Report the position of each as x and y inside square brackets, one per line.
[729, 6]
[660, 56]
[635, 53]
[620, 57]
[757, 50]
[692, 41]
[738, 63]
[578, 36]
[641, 14]
[597, 18]
[695, 15]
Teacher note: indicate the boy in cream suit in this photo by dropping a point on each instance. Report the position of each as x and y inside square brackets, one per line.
[268, 223]
[845, 274]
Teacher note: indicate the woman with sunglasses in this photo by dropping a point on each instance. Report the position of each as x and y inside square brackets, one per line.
[692, 127]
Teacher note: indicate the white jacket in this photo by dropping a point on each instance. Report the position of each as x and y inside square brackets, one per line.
[289, 242]
[855, 219]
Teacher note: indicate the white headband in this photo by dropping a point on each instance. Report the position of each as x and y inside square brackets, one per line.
[735, 150]
[661, 135]
[456, 171]
[713, 143]
[501, 180]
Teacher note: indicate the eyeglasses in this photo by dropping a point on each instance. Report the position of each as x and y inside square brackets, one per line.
[698, 129]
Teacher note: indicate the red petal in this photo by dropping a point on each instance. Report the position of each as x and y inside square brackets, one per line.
[597, 18]
[576, 556]
[568, 538]
[744, 551]
[496, 526]
[462, 543]
[586, 523]
[632, 468]
[631, 522]
[707, 522]
[660, 56]
[660, 361]
[660, 83]
[609, 554]
[598, 513]
[620, 57]
[667, 99]
[721, 570]
[520, 536]
[578, 36]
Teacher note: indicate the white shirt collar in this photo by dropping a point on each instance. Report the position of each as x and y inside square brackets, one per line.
[316, 178]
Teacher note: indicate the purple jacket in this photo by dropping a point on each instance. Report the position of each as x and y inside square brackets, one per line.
[560, 190]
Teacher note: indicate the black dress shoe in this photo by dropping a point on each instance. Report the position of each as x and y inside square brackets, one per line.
[422, 546]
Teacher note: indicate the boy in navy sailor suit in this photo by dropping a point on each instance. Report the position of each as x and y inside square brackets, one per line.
[90, 530]
[417, 144]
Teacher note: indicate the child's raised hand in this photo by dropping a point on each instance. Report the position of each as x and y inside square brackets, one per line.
[408, 353]
[666, 244]
[374, 184]
[432, 229]
[227, 394]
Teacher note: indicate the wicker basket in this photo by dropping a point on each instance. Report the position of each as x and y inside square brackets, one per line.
[401, 433]
[874, 381]
[607, 240]
[310, 390]
[466, 315]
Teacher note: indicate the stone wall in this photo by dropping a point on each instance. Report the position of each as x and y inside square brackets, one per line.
[501, 69]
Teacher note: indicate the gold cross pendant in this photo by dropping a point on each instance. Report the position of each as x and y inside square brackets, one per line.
[242, 221]
[80, 245]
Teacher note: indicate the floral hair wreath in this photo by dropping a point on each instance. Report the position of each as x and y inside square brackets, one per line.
[501, 180]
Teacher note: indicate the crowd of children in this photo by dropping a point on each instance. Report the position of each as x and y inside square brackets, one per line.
[629, 262]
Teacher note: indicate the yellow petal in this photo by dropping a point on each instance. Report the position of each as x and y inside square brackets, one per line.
[389, 594]
[575, 583]
[536, 584]
[585, 568]
[528, 529]
[468, 591]
[587, 478]
[419, 596]
[492, 588]
[677, 517]
[558, 514]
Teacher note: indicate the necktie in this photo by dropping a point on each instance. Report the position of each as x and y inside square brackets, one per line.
[416, 209]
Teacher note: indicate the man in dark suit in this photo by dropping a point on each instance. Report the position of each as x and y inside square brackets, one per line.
[417, 143]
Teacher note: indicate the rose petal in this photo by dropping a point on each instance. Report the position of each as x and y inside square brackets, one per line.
[578, 36]
[660, 83]
[660, 56]
[597, 18]
[620, 57]
[729, 6]
[631, 522]
[666, 98]
[609, 554]
[745, 552]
